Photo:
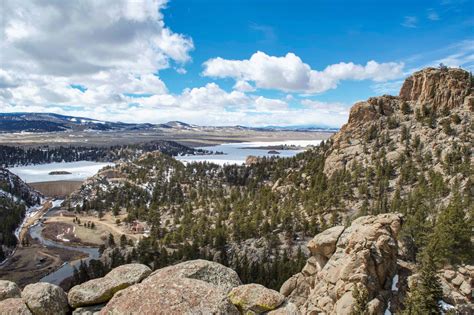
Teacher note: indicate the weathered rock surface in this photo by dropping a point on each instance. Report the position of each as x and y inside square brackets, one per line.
[45, 299]
[101, 290]
[286, 308]
[8, 290]
[14, 306]
[445, 92]
[365, 254]
[192, 287]
[88, 310]
[255, 298]
[325, 242]
[438, 87]
[457, 285]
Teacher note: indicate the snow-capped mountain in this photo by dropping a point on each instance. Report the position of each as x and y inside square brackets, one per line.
[49, 122]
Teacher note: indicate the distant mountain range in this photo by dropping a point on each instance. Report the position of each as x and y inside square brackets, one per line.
[49, 122]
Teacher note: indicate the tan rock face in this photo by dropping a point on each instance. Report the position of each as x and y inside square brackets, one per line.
[444, 91]
[365, 253]
[101, 290]
[437, 87]
[286, 309]
[325, 242]
[8, 290]
[251, 160]
[255, 298]
[192, 287]
[14, 306]
[45, 299]
[457, 285]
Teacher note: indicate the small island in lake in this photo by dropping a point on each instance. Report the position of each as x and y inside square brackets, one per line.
[59, 173]
[277, 147]
[273, 152]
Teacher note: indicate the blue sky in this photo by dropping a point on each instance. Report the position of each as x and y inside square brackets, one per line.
[224, 62]
[320, 33]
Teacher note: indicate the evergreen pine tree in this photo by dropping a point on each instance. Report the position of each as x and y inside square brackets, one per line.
[423, 297]
[361, 297]
[452, 234]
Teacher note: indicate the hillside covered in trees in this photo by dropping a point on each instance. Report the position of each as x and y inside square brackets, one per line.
[13, 156]
[15, 198]
[410, 154]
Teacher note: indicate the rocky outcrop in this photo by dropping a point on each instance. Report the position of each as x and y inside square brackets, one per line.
[434, 104]
[101, 290]
[251, 159]
[457, 284]
[438, 87]
[9, 290]
[365, 254]
[45, 299]
[14, 306]
[255, 298]
[192, 287]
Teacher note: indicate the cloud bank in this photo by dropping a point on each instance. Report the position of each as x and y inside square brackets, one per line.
[102, 59]
[290, 74]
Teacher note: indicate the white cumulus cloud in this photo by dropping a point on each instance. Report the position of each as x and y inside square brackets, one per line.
[110, 47]
[290, 74]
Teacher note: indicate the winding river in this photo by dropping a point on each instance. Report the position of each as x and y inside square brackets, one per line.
[67, 269]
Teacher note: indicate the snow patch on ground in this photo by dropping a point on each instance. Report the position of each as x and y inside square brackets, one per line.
[395, 283]
[387, 311]
[8, 195]
[445, 306]
[57, 203]
[31, 211]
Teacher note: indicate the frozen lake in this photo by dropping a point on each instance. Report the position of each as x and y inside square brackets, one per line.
[236, 153]
[40, 172]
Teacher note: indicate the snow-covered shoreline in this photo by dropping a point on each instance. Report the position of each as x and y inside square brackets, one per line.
[79, 170]
[237, 152]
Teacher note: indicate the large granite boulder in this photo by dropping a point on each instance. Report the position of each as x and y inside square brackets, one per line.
[101, 290]
[365, 254]
[325, 242]
[14, 306]
[255, 298]
[192, 287]
[45, 299]
[8, 290]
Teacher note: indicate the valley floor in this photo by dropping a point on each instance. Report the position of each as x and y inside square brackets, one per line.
[186, 137]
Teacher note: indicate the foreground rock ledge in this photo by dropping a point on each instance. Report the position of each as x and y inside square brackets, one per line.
[8, 290]
[255, 298]
[45, 299]
[192, 287]
[14, 306]
[101, 290]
